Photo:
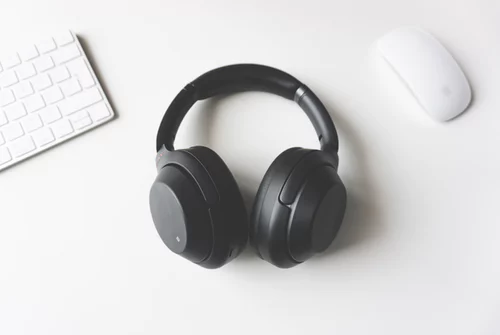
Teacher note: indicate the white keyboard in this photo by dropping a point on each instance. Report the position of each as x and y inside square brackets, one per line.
[48, 94]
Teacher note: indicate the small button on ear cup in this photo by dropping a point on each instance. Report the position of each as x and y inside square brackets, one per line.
[180, 214]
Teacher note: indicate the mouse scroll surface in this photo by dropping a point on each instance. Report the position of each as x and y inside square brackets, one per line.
[429, 70]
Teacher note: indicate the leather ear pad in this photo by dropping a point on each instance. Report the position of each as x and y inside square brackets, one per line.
[276, 175]
[229, 216]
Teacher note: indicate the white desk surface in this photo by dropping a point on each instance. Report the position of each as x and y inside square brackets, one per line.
[419, 249]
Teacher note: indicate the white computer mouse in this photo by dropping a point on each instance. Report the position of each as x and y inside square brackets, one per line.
[428, 70]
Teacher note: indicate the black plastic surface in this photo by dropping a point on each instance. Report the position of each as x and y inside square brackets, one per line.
[195, 200]
[190, 164]
[230, 218]
[241, 78]
[273, 246]
[296, 179]
[245, 77]
[173, 117]
[181, 215]
[299, 207]
[317, 113]
[270, 188]
[317, 213]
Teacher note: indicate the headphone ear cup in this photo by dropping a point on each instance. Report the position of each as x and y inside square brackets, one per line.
[299, 209]
[197, 207]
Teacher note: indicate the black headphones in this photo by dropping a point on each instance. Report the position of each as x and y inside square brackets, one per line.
[195, 202]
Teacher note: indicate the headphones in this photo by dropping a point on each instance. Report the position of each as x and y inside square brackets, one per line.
[195, 202]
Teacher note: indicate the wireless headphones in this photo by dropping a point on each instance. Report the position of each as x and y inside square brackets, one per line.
[195, 202]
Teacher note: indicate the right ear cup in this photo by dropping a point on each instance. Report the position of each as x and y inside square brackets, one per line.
[197, 207]
[299, 207]
[270, 188]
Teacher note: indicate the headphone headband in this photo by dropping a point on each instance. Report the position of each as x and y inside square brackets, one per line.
[241, 78]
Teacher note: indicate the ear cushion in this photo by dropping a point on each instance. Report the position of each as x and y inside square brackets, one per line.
[229, 216]
[277, 174]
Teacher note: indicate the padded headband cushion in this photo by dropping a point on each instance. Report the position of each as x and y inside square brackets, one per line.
[245, 77]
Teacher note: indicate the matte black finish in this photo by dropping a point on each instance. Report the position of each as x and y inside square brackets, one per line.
[230, 218]
[298, 208]
[181, 215]
[195, 202]
[316, 213]
[241, 78]
[269, 188]
[300, 171]
[206, 232]
[245, 77]
[317, 113]
[191, 165]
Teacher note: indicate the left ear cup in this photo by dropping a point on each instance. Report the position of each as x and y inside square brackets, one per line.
[197, 207]
[300, 212]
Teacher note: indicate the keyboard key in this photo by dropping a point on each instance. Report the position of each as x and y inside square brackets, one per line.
[64, 38]
[23, 89]
[50, 114]
[11, 61]
[31, 123]
[22, 146]
[12, 131]
[62, 128]
[25, 70]
[79, 69]
[80, 101]
[70, 87]
[78, 116]
[99, 111]
[15, 111]
[3, 118]
[43, 136]
[59, 74]
[82, 123]
[43, 63]
[5, 156]
[66, 53]
[6, 97]
[80, 120]
[41, 82]
[52, 95]
[2, 140]
[46, 45]
[28, 53]
[34, 103]
[8, 78]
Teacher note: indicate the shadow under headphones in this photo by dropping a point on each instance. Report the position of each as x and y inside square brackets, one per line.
[195, 202]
